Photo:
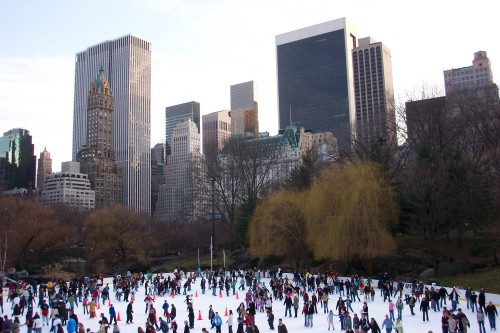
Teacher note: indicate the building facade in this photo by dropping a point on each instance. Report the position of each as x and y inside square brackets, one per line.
[178, 113]
[244, 110]
[127, 66]
[157, 172]
[44, 168]
[17, 160]
[315, 78]
[178, 198]
[68, 187]
[97, 157]
[374, 93]
[216, 131]
[477, 76]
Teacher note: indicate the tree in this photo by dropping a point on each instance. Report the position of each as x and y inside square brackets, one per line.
[350, 209]
[235, 179]
[111, 235]
[278, 227]
[31, 234]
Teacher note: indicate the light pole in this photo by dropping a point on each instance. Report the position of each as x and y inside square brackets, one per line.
[213, 210]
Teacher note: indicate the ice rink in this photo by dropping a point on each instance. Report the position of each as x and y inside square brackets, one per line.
[201, 302]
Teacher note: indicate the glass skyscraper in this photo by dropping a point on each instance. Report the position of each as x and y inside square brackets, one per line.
[127, 65]
[17, 160]
[315, 84]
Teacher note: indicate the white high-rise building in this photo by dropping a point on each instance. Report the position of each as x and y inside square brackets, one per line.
[177, 198]
[127, 65]
[69, 187]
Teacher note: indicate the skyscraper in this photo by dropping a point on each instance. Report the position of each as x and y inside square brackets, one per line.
[127, 65]
[44, 168]
[157, 172]
[315, 80]
[17, 159]
[372, 69]
[244, 110]
[479, 75]
[97, 157]
[177, 198]
[176, 114]
[216, 131]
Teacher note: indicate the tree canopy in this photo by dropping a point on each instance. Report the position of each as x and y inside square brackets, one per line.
[345, 215]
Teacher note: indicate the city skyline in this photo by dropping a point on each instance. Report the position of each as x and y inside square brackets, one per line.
[196, 57]
[126, 63]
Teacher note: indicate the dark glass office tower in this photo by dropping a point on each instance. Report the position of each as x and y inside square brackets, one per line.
[17, 160]
[315, 85]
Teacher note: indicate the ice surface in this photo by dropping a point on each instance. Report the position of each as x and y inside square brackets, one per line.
[377, 309]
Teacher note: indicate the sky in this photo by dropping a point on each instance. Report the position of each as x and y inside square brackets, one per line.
[201, 303]
[201, 47]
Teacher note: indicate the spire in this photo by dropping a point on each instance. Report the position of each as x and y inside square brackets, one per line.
[100, 79]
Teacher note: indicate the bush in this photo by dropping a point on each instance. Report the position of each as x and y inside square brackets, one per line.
[137, 266]
[55, 271]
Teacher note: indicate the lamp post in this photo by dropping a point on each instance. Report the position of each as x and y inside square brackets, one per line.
[213, 210]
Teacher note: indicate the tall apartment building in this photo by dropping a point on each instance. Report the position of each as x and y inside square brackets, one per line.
[17, 159]
[176, 114]
[127, 66]
[69, 187]
[216, 131]
[177, 198]
[315, 78]
[44, 168]
[97, 157]
[477, 76]
[157, 172]
[374, 93]
[244, 110]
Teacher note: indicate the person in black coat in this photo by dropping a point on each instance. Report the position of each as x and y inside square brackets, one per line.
[130, 311]
[424, 307]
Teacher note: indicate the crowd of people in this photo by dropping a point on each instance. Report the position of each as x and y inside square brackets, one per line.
[52, 304]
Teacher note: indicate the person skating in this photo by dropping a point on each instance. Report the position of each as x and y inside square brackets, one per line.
[399, 326]
[281, 327]
[491, 312]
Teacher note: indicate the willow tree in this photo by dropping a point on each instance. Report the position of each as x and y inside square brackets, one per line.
[351, 208]
[278, 227]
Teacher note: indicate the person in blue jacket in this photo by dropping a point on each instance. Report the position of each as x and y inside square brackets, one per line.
[218, 323]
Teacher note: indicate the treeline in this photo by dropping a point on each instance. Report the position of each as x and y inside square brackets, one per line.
[33, 236]
[441, 185]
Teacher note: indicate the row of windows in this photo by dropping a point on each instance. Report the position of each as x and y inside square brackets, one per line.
[461, 84]
[466, 72]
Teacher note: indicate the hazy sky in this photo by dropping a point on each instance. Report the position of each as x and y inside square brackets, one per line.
[200, 48]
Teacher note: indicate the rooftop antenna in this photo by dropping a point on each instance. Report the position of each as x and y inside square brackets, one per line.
[290, 112]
